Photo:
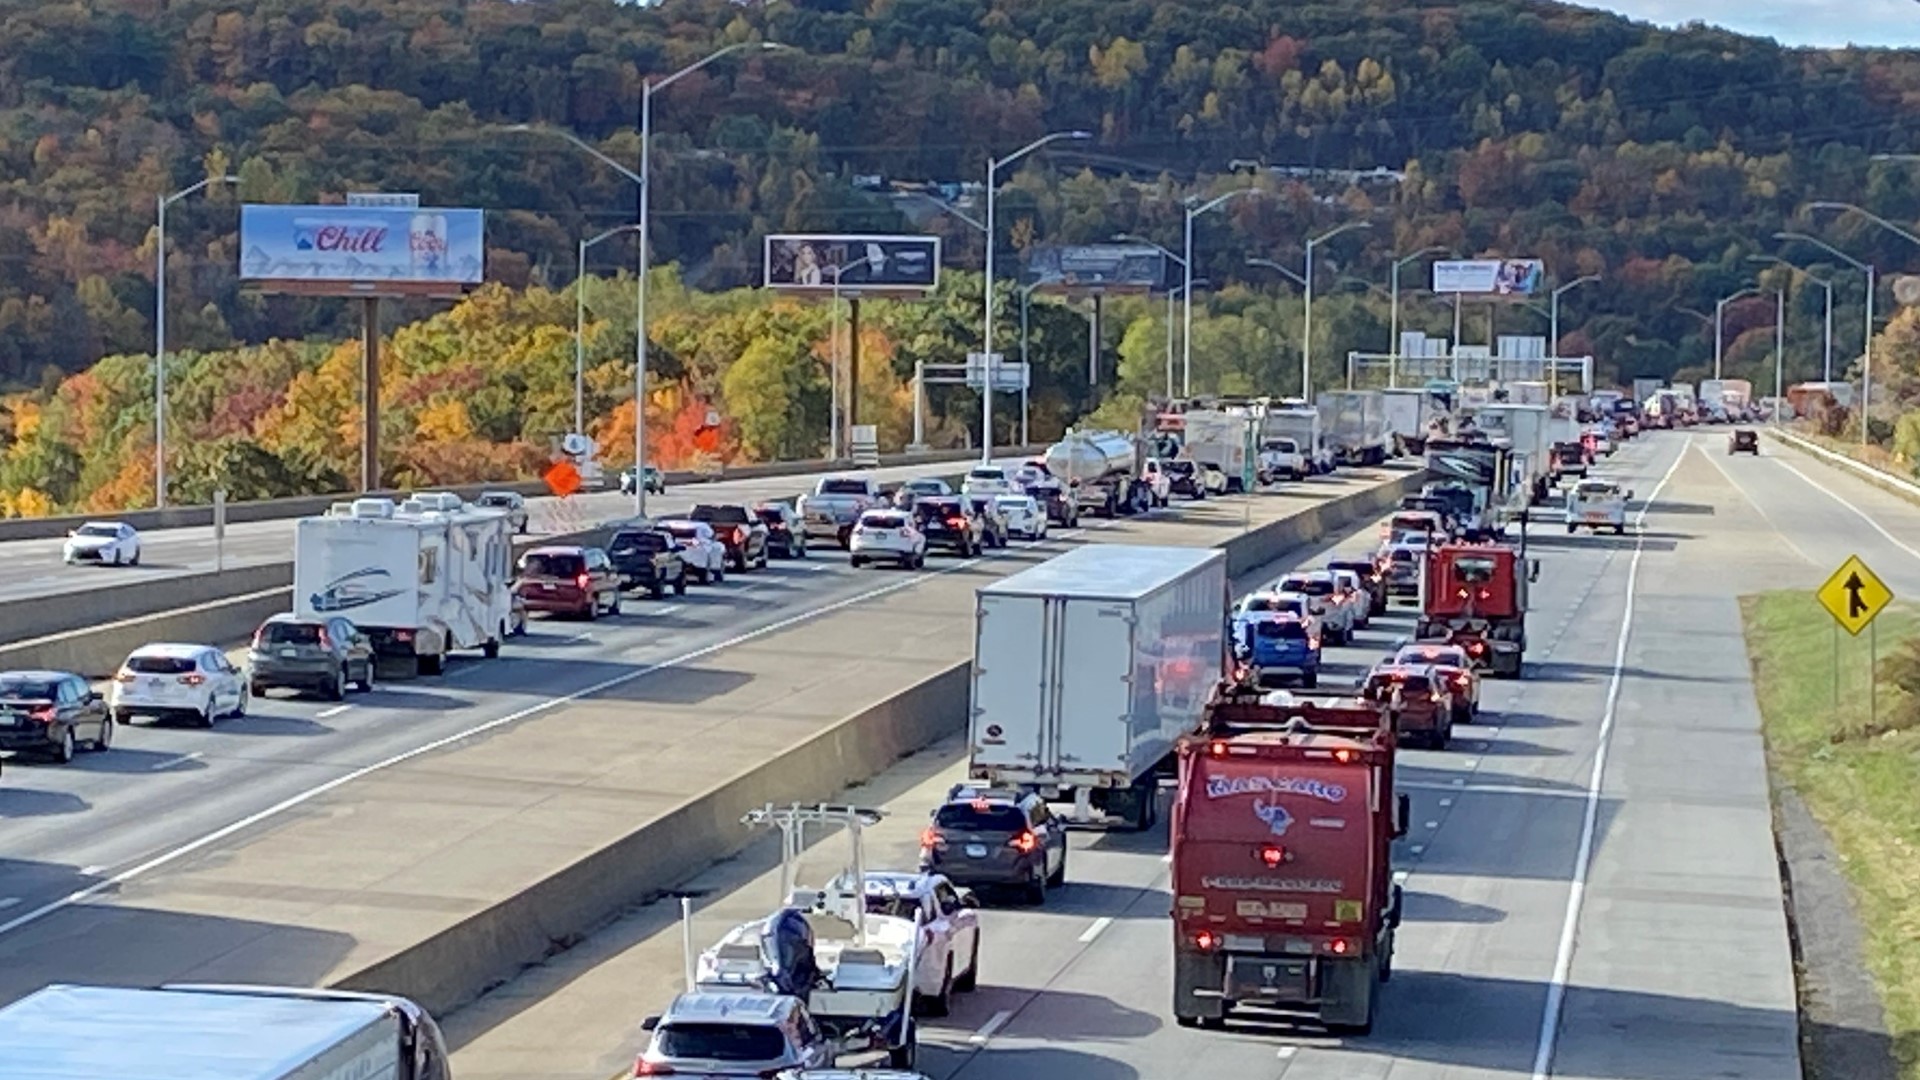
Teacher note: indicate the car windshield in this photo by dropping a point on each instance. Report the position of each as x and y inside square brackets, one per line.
[987, 474]
[1272, 603]
[495, 500]
[160, 665]
[721, 515]
[290, 633]
[935, 508]
[721, 1042]
[97, 530]
[1412, 684]
[18, 689]
[843, 487]
[542, 564]
[682, 532]
[991, 817]
[1473, 571]
[1310, 586]
[638, 541]
[1281, 446]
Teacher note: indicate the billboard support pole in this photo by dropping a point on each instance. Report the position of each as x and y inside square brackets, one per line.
[853, 366]
[919, 405]
[370, 394]
[1093, 345]
[1456, 324]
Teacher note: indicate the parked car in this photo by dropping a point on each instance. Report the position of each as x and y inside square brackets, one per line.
[740, 529]
[890, 536]
[112, 543]
[568, 580]
[786, 533]
[172, 680]
[512, 503]
[645, 558]
[1026, 517]
[705, 555]
[320, 656]
[51, 714]
[996, 532]
[656, 481]
[949, 523]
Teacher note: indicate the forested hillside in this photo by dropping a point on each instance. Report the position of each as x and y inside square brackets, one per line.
[1660, 160]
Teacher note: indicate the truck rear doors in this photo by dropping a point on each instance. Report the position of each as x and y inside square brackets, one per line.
[1054, 685]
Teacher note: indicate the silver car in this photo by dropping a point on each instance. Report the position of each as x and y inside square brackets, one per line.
[733, 1034]
[511, 503]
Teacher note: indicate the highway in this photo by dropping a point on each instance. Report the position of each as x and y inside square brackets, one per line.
[1590, 874]
[33, 568]
[312, 839]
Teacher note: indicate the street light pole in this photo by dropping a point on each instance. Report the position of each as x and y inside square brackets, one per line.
[1779, 349]
[1827, 326]
[1306, 333]
[994, 165]
[1393, 309]
[1719, 324]
[1866, 351]
[160, 335]
[1186, 317]
[1553, 318]
[580, 326]
[1132, 239]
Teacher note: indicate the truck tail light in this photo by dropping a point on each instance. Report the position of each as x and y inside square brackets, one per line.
[193, 680]
[1343, 755]
[1271, 854]
[1025, 843]
[1217, 748]
[1206, 941]
[1476, 648]
[1339, 946]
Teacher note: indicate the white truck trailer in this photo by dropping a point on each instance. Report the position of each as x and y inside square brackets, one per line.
[1220, 441]
[1301, 423]
[1087, 669]
[1411, 414]
[422, 578]
[1356, 426]
[65, 1032]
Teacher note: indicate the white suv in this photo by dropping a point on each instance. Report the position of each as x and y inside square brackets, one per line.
[987, 480]
[887, 536]
[1332, 602]
[1357, 595]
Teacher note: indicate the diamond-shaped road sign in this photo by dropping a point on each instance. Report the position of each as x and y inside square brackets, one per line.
[1854, 595]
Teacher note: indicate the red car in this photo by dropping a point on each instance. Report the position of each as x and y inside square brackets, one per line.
[1418, 699]
[566, 580]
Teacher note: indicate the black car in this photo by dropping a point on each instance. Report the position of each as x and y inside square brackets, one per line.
[1185, 478]
[984, 837]
[1744, 441]
[949, 523]
[51, 713]
[656, 481]
[784, 529]
[650, 560]
[997, 533]
[318, 656]
[1370, 576]
[742, 531]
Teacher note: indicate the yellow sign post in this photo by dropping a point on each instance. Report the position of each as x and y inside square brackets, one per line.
[1855, 596]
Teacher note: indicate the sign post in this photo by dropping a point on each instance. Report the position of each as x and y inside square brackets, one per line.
[219, 529]
[1855, 596]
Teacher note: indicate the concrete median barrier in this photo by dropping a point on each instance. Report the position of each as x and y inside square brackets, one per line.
[97, 651]
[463, 961]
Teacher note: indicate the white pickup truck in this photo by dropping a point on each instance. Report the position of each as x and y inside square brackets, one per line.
[835, 505]
[1281, 458]
[1597, 504]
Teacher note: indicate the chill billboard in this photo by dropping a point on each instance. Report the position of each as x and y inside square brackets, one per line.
[401, 245]
[1518, 278]
[809, 263]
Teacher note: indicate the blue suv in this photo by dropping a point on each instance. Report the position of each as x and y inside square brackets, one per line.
[1278, 647]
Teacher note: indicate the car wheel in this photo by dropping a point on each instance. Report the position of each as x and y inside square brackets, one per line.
[63, 750]
[680, 584]
[970, 978]
[942, 1003]
[591, 612]
[117, 560]
[239, 707]
[1310, 680]
[104, 741]
[204, 718]
[763, 559]
[718, 575]
[658, 590]
[257, 690]
[368, 672]
[337, 691]
[135, 561]
[856, 561]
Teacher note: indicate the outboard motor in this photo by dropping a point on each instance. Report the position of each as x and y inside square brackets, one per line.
[786, 947]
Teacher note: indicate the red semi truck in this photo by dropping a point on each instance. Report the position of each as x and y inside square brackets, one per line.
[1475, 596]
[1281, 848]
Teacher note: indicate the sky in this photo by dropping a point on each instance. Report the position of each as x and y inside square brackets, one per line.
[1822, 23]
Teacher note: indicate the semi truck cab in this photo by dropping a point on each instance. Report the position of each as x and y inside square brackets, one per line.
[1476, 597]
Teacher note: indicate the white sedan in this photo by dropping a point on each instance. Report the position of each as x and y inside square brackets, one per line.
[194, 682]
[887, 536]
[1026, 518]
[112, 543]
[987, 480]
[704, 554]
[949, 957]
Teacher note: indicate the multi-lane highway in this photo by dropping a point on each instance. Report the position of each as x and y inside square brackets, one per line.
[33, 568]
[1590, 873]
[310, 840]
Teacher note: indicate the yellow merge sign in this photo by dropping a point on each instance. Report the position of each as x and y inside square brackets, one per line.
[1854, 595]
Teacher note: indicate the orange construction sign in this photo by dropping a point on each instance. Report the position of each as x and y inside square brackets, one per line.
[563, 479]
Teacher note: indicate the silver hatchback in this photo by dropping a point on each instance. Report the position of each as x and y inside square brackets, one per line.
[733, 1035]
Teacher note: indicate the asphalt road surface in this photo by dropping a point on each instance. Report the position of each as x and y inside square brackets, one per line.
[1590, 877]
[33, 568]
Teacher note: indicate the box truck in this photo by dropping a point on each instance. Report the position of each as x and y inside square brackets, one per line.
[1089, 667]
[66, 1032]
[1356, 426]
[422, 578]
[1412, 415]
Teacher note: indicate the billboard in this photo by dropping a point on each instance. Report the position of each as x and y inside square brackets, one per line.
[1519, 278]
[1097, 267]
[362, 244]
[807, 263]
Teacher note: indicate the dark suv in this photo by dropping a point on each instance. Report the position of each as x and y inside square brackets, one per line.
[645, 559]
[744, 534]
[785, 531]
[568, 581]
[951, 524]
[50, 713]
[320, 656]
[996, 838]
[1183, 478]
[1743, 441]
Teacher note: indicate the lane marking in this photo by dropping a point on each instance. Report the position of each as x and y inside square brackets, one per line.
[1861, 514]
[1753, 502]
[1432, 825]
[177, 759]
[89, 871]
[9, 901]
[1287, 1052]
[582, 636]
[979, 1038]
[1444, 803]
[666, 610]
[1100, 924]
[1556, 1001]
[1486, 789]
[335, 711]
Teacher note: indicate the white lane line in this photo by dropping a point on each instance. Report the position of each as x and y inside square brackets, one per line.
[89, 871]
[175, 854]
[1100, 924]
[1589, 824]
[666, 610]
[178, 759]
[979, 1038]
[583, 636]
[9, 901]
[1432, 825]
[1444, 803]
[1861, 514]
[335, 711]
[1753, 502]
[1486, 789]
[1287, 1052]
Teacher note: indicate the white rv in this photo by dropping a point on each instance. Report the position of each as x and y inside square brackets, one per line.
[422, 578]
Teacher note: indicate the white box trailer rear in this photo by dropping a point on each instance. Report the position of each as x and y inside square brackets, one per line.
[65, 1032]
[1088, 668]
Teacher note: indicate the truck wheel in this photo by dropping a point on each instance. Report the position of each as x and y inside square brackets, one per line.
[1059, 877]
[1619, 530]
[680, 584]
[902, 1056]
[433, 664]
[1571, 527]
[491, 650]
[1310, 680]
[658, 590]
[1036, 890]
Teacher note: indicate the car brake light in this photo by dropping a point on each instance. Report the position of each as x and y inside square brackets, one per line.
[651, 1068]
[582, 580]
[1343, 756]
[326, 639]
[955, 522]
[193, 680]
[1476, 647]
[45, 714]
[1206, 941]
[260, 637]
[931, 838]
[1024, 843]
[1272, 855]
[1435, 695]
[403, 635]
[124, 676]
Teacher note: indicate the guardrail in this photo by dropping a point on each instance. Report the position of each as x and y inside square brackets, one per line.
[1878, 477]
[181, 517]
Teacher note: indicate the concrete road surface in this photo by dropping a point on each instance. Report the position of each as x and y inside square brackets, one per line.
[1591, 889]
[30, 568]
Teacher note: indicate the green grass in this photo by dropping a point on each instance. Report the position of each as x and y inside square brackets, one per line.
[1860, 778]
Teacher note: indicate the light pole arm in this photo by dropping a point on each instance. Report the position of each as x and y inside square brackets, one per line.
[1291, 275]
[1869, 215]
[1824, 246]
[661, 84]
[996, 164]
[949, 208]
[191, 188]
